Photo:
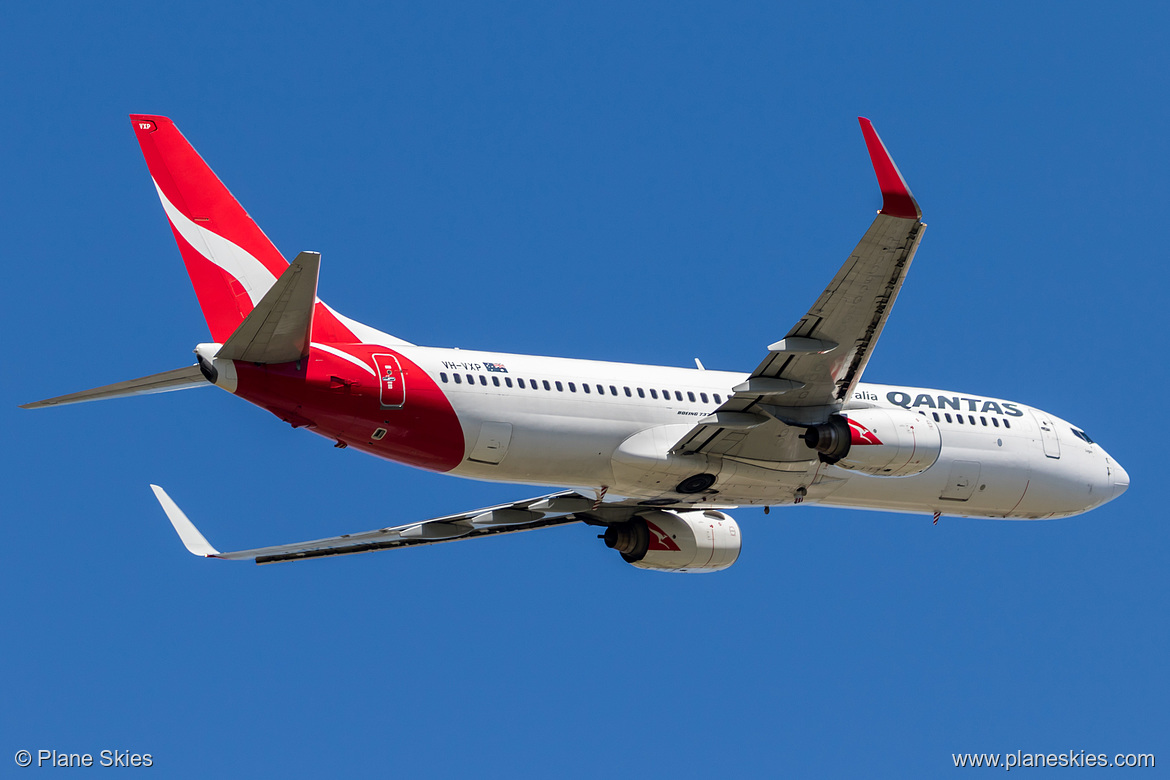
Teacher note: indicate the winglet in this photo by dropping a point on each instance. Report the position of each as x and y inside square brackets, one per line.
[192, 539]
[896, 198]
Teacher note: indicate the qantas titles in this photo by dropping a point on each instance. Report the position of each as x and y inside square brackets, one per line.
[956, 402]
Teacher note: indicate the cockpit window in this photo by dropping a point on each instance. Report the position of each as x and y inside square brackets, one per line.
[1081, 435]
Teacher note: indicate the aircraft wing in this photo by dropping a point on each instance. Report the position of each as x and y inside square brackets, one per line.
[811, 372]
[542, 512]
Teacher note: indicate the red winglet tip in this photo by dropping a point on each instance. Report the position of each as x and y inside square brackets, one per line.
[896, 198]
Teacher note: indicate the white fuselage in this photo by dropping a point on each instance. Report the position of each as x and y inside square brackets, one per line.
[998, 459]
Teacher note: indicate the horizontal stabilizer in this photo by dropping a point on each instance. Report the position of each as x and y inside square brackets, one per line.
[278, 330]
[178, 379]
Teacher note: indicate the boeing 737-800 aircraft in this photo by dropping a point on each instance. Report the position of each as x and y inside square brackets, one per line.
[654, 456]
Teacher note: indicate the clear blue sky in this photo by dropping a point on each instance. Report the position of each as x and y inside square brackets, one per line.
[593, 180]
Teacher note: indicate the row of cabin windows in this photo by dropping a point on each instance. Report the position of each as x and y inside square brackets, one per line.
[585, 387]
[995, 421]
[678, 395]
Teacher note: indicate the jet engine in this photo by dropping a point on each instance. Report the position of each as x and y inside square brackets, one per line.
[881, 442]
[688, 541]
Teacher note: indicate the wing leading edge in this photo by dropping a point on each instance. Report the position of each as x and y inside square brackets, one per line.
[811, 372]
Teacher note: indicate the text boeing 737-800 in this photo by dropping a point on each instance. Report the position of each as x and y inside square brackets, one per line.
[653, 455]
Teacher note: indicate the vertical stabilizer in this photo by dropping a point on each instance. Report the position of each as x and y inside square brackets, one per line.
[229, 259]
[232, 264]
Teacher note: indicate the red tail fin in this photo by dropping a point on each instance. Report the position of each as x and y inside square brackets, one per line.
[232, 264]
[229, 259]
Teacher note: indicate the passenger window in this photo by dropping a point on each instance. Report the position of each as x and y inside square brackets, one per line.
[690, 396]
[959, 418]
[496, 381]
[678, 395]
[971, 417]
[995, 421]
[641, 392]
[470, 379]
[948, 416]
[520, 382]
[458, 379]
[443, 376]
[560, 387]
[628, 392]
[601, 389]
[1007, 423]
[983, 420]
[572, 387]
[666, 395]
[653, 393]
[508, 381]
[546, 385]
[718, 400]
[936, 419]
[483, 380]
[584, 386]
[703, 397]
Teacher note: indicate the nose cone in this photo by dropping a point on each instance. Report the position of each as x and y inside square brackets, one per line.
[1120, 478]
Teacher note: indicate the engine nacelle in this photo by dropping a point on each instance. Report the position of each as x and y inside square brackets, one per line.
[692, 541]
[881, 442]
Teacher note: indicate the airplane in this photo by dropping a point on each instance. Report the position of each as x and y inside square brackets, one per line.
[653, 456]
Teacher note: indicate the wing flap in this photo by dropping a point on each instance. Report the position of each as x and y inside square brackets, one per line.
[279, 555]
